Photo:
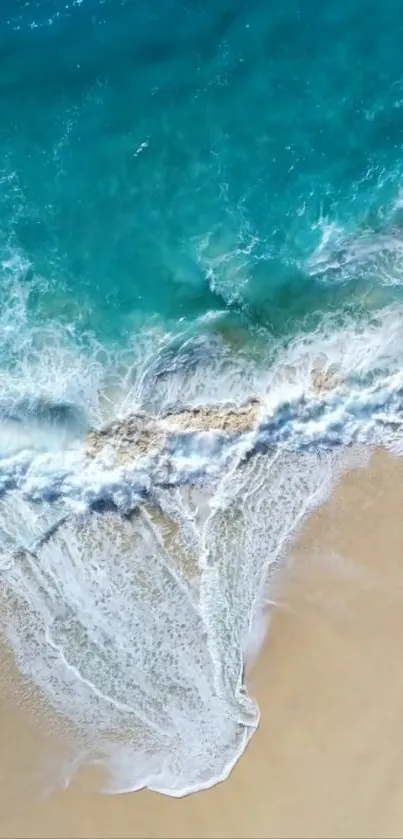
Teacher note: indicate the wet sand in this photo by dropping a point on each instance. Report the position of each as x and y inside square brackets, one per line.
[327, 760]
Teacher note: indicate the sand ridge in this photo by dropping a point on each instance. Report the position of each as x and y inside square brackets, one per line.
[141, 435]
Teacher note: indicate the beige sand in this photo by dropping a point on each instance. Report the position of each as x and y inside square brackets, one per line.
[328, 758]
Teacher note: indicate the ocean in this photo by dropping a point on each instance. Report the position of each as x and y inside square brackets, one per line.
[201, 212]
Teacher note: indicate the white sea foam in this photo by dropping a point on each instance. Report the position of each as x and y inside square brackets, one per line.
[360, 402]
[138, 632]
[138, 627]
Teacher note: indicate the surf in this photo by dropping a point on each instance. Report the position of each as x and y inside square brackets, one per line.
[137, 555]
[201, 329]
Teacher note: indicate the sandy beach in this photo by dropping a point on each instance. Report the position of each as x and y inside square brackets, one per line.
[327, 760]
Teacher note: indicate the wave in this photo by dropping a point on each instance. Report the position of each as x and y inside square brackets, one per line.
[146, 501]
[328, 389]
[374, 253]
[138, 627]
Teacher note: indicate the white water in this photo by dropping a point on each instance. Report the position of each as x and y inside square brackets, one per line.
[137, 628]
[359, 400]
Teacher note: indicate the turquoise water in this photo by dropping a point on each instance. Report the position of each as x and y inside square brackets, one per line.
[174, 159]
[198, 203]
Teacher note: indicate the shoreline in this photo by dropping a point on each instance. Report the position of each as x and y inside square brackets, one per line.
[325, 760]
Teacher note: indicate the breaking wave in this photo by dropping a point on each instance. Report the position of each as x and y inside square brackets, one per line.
[147, 496]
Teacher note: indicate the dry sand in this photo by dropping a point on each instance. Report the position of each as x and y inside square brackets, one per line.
[327, 760]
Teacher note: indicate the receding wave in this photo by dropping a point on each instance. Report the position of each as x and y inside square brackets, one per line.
[146, 501]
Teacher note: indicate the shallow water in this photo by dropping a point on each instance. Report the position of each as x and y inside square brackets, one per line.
[199, 204]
